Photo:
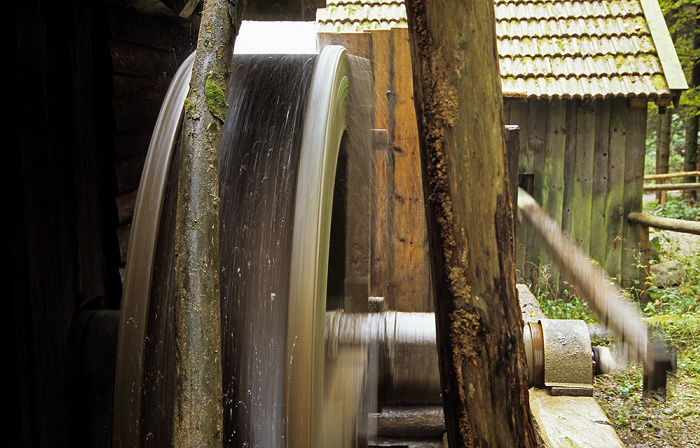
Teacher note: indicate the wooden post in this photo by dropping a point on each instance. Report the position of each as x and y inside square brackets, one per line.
[460, 119]
[198, 413]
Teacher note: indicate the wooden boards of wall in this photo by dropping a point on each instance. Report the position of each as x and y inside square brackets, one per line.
[584, 160]
[399, 266]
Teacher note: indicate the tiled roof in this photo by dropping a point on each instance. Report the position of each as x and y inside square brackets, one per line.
[553, 48]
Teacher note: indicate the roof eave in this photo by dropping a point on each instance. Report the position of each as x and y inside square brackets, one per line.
[665, 49]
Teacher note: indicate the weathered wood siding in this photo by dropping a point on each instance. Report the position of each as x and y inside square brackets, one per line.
[400, 271]
[583, 161]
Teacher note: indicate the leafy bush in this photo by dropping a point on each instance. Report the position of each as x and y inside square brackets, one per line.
[676, 207]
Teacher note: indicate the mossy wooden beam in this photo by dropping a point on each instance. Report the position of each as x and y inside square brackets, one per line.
[198, 413]
[459, 109]
[658, 222]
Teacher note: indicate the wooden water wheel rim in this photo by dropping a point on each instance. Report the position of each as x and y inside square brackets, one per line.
[323, 132]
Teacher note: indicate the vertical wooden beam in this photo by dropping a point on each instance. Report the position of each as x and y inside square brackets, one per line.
[383, 187]
[583, 176]
[411, 278]
[519, 116]
[536, 151]
[382, 223]
[555, 147]
[635, 147]
[598, 239]
[512, 136]
[569, 165]
[357, 153]
[614, 208]
[460, 120]
[552, 179]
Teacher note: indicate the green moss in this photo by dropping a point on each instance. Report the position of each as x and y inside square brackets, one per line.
[216, 98]
[659, 82]
[189, 108]
[619, 61]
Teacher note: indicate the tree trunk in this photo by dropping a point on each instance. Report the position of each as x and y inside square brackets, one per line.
[663, 149]
[198, 413]
[459, 108]
[691, 123]
[691, 155]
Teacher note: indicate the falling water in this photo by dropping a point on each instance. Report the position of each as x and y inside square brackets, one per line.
[260, 166]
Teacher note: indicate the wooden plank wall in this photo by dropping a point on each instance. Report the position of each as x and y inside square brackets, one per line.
[584, 161]
[399, 266]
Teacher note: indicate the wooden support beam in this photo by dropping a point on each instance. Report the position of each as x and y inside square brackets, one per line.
[671, 175]
[459, 108]
[657, 222]
[672, 187]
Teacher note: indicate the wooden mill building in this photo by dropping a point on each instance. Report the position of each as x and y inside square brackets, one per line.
[577, 77]
[87, 78]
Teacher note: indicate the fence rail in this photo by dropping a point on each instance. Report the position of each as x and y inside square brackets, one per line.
[671, 175]
[671, 187]
[657, 222]
[661, 187]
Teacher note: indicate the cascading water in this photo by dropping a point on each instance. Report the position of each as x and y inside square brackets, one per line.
[283, 132]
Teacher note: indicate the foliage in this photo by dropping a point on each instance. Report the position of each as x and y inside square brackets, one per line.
[682, 18]
[679, 300]
[567, 307]
[676, 207]
[652, 420]
[558, 303]
[677, 144]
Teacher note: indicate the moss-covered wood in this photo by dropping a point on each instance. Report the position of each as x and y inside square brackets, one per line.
[588, 180]
[198, 413]
[460, 121]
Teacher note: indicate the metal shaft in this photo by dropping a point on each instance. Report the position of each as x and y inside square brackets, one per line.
[592, 284]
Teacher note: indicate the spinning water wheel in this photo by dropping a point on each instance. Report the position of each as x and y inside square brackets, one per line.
[286, 125]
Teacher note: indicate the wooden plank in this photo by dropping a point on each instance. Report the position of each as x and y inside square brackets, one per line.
[537, 125]
[569, 165]
[411, 272]
[633, 195]
[583, 176]
[672, 175]
[382, 224]
[552, 186]
[614, 209]
[382, 216]
[598, 239]
[518, 115]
